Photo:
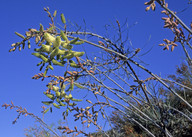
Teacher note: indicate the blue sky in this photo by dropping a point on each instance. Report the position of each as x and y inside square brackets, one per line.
[17, 68]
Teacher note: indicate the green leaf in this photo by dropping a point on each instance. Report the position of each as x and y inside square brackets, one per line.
[74, 65]
[55, 62]
[64, 37]
[44, 74]
[55, 13]
[78, 42]
[39, 63]
[55, 88]
[66, 45]
[69, 56]
[46, 111]
[55, 105]
[47, 102]
[54, 53]
[51, 96]
[57, 42]
[41, 56]
[78, 54]
[78, 85]
[29, 44]
[20, 35]
[51, 67]
[76, 100]
[74, 40]
[49, 38]
[63, 19]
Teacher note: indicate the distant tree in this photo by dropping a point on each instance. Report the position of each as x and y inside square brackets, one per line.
[170, 109]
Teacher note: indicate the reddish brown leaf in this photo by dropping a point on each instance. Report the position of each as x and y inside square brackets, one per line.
[148, 8]
[172, 48]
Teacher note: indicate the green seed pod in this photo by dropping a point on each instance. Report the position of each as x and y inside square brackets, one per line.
[60, 103]
[78, 43]
[43, 58]
[71, 61]
[29, 44]
[57, 94]
[54, 53]
[55, 105]
[46, 48]
[66, 96]
[74, 65]
[46, 111]
[67, 112]
[41, 28]
[47, 102]
[55, 13]
[51, 96]
[55, 88]
[36, 54]
[45, 72]
[55, 62]
[72, 86]
[69, 56]
[58, 100]
[70, 96]
[20, 35]
[48, 43]
[51, 28]
[63, 93]
[76, 100]
[63, 18]
[64, 37]
[74, 40]
[72, 104]
[51, 67]
[79, 86]
[66, 45]
[78, 54]
[61, 52]
[57, 42]
[39, 63]
[38, 49]
[49, 38]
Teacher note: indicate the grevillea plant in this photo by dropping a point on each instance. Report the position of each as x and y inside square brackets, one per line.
[110, 77]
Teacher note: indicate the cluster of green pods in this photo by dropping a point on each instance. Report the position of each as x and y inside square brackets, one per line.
[58, 99]
[56, 50]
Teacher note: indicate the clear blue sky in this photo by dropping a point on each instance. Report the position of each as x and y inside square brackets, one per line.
[17, 68]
